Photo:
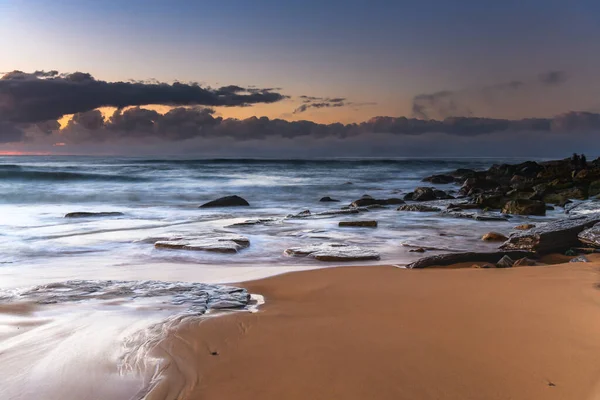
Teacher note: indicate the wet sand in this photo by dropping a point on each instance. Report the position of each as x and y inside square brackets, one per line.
[388, 333]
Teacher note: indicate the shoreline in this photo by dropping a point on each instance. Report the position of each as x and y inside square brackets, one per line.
[390, 333]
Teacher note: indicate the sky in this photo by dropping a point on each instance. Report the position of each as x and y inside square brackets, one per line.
[241, 78]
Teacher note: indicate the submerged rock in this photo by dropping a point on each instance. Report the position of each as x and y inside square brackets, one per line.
[227, 201]
[551, 237]
[93, 214]
[418, 207]
[209, 242]
[333, 252]
[494, 237]
[367, 224]
[328, 199]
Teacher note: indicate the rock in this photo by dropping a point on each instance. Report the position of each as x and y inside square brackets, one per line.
[553, 236]
[525, 262]
[93, 214]
[210, 242]
[301, 214]
[494, 237]
[333, 252]
[494, 201]
[439, 179]
[417, 250]
[505, 262]
[455, 258]
[594, 188]
[423, 194]
[228, 201]
[583, 208]
[418, 207]
[369, 201]
[580, 259]
[525, 207]
[463, 206]
[475, 216]
[590, 236]
[441, 195]
[367, 224]
[328, 199]
[252, 222]
[341, 212]
[524, 227]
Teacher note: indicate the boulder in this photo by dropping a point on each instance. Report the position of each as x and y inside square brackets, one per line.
[455, 258]
[439, 179]
[333, 252]
[361, 224]
[423, 194]
[328, 199]
[594, 188]
[227, 201]
[417, 250]
[493, 201]
[524, 207]
[494, 237]
[217, 243]
[505, 262]
[551, 237]
[93, 214]
[580, 259]
[590, 236]
[418, 207]
[369, 201]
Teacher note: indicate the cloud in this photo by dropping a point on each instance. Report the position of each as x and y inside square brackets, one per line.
[309, 102]
[42, 96]
[460, 103]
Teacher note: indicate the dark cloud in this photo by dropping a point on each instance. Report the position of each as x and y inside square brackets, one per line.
[309, 102]
[460, 103]
[42, 96]
[186, 123]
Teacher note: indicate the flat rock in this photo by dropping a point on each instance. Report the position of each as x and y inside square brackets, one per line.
[367, 224]
[454, 258]
[93, 214]
[475, 216]
[227, 201]
[590, 236]
[551, 237]
[418, 207]
[333, 252]
[369, 201]
[524, 227]
[524, 207]
[328, 199]
[217, 243]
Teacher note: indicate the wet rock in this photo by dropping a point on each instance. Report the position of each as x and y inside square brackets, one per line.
[93, 214]
[524, 227]
[455, 258]
[362, 224]
[494, 237]
[439, 179]
[370, 201]
[301, 214]
[494, 201]
[328, 199]
[463, 206]
[590, 236]
[475, 216]
[342, 212]
[525, 207]
[505, 262]
[424, 194]
[418, 207]
[217, 243]
[594, 188]
[582, 208]
[553, 236]
[333, 252]
[227, 201]
[252, 222]
[417, 250]
[580, 259]
[525, 262]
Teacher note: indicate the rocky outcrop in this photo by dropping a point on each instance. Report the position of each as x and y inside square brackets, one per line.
[591, 236]
[524, 207]
[93, 214]
[228, 201]
[218, 243]
[328, 199]
[333, 252]
[494, 237]
[427, 194]
[418, 207]
[359, 224]
[551, 237]
[439, 179]
[454, 258]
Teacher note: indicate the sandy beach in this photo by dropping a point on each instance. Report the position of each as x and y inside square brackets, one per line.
[388, 333]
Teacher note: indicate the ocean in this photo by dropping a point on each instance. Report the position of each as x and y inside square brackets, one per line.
[108, 294]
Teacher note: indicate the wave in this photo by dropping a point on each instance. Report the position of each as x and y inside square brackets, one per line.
[18, 174]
